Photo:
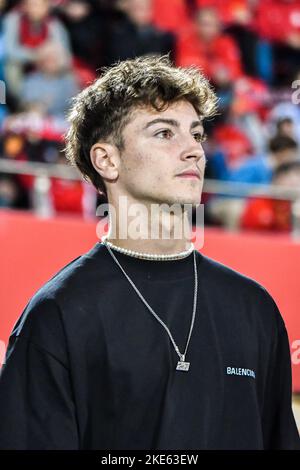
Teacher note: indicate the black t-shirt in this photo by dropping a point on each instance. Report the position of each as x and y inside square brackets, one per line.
[89, 367]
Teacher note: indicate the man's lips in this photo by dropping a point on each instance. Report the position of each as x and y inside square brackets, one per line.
[189, 174]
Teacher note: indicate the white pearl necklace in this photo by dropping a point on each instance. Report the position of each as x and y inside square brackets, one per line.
[149, 256]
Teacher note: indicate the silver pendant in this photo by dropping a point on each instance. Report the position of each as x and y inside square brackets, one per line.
[181, 365]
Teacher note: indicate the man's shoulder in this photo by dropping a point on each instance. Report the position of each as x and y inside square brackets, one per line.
[238, 290]
[224, 273]
[64, 287]
[73, 274]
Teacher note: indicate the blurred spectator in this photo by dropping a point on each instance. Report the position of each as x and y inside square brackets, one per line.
[29, 148]
[260, 168]
[278, 21]
[171, 15]
[236, 146]
[50, 88]
[215, 167]
[133, 34]
[248, 109]
[12, 145]
[286, 109]
[273, 214]
[87, 30]
[230, 12]
[15, 148]
[248, 49]
[26, 29]
[227, 210]
[285, 127]
[207, 47]
[34, 125]
[12, 194]
[237, 17]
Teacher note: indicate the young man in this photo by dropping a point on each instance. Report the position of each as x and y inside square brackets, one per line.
[143, 342]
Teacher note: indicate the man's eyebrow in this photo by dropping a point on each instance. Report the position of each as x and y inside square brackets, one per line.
[196, 124]
[171, 122]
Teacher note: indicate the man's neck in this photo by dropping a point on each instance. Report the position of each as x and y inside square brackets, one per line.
[155, 234]
[159, 246]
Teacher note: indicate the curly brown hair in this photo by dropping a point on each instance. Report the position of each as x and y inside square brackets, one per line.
[102, 110]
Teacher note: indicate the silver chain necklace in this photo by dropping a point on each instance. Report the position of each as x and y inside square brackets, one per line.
[181, 364]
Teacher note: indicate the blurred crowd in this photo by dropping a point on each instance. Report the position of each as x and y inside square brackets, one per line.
[249, 49]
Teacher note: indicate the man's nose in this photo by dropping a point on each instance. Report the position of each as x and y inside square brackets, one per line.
[192, 150]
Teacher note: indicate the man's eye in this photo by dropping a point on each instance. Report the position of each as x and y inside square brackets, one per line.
[200, 137]
[165, 132]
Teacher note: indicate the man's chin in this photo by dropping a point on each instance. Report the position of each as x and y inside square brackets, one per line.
[180, 200]
[188, 201]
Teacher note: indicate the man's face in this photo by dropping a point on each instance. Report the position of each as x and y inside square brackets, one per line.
[139, 11]
[287, 155]
[37, 10]
[208, 25]
[290, 179]
[158, 147]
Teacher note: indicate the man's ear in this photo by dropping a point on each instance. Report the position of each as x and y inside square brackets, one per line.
[105, 159]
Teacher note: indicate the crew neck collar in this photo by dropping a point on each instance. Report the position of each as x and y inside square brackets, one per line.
[150, 269]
